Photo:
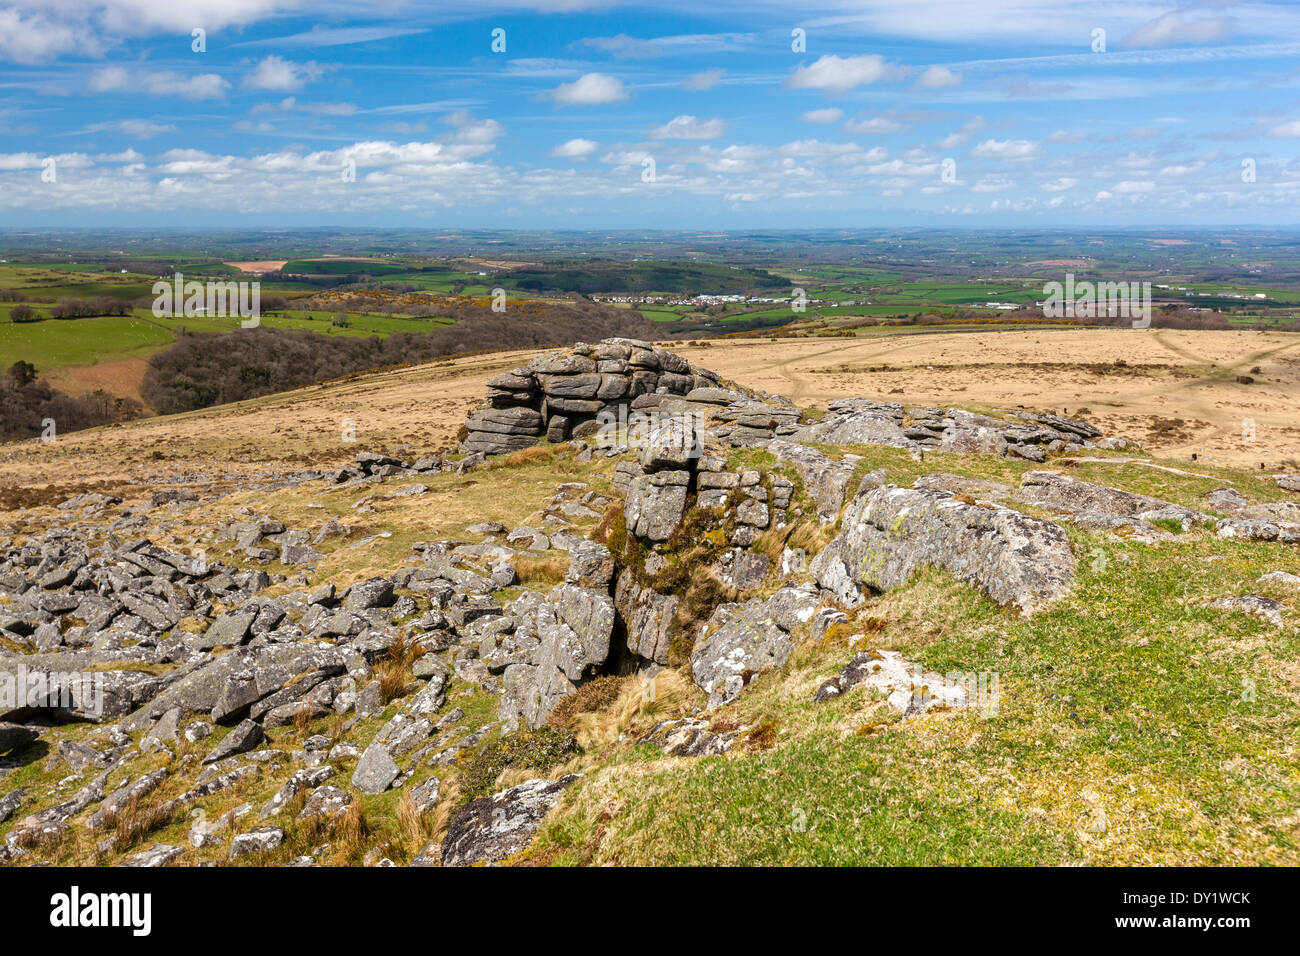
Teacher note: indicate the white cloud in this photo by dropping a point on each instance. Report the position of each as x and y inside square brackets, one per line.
[967, 129]
[575, 149]
[689, 127]
[468, 130]
[34, 39]
[126, 156]
[704, 80]
[1134, 186]
[835, 74]
[544, 67]
[328, 109]
[1182, 169]
[279, 74]
[938, 78]
[139, 128]
[1010, 150]
[319, 36]
[829, 115]
[992, 184]
[200, 86]
[1175, 27]
[873, 125]
[13, 161]
[1289, 130]
[590, 89]
[816, 148]
[1060, 185]
[625, 157]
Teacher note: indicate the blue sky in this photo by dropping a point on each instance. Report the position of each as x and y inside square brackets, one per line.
[949, 113]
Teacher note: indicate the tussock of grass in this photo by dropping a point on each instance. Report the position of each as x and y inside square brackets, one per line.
[594, 695]
[541, 571]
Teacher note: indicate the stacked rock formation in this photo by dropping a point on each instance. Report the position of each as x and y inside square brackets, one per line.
[557, 392]
[566, 394]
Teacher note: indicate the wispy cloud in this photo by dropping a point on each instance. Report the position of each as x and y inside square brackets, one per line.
[628, 47]
[704, 80]
[338, 36]
[199, 86]
[690, 127]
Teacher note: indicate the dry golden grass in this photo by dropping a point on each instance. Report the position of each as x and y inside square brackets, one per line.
[413, 825]
[139, 818]
[596, 694]
[449, 802]
[424, 406]
[543, 570]
[640, 704]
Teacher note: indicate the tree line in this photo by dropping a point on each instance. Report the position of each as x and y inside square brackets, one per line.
[205, 369]
[29, 407]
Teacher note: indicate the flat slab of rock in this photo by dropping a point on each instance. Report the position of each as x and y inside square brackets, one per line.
[825, 479]
[241, 740]
[858, 421]
[375, 771]
[259, 840]
[1288, 482]
[1266, 609]
[1281, 577]
[1259, 529]
[738, 642]
[890, 532]
[691, 737]
[908, 689]
[160, 854]
[1061, 493]
[490, 829]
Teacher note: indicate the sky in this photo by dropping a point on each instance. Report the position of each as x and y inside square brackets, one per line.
[570, 114]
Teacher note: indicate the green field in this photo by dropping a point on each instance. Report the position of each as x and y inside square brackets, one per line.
[56, 343]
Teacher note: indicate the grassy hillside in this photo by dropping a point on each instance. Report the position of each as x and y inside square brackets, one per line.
[1134, 724]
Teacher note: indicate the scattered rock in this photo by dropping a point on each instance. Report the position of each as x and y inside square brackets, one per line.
[889, 532]
[258, 840]
[241, 740]
[691, 737]
[908, 690]
[376, 770]
[490, 829]
[1266, 609]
